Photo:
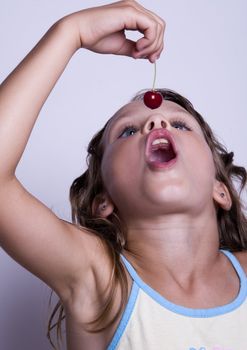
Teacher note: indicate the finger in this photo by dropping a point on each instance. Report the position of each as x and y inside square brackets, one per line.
[151, 53]
[149, 39]
[161, 29]
[160, 36]
[154, 47]
[134, 4]
[146, 11]
[136, 17]
[148, 44]
[160, 44]
[155, 56]
[135, 20]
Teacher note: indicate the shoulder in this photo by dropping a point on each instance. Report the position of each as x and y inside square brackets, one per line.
[242, 258]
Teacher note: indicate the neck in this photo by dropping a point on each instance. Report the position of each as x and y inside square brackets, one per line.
[183, 247]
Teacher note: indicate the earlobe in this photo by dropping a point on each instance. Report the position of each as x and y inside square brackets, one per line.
[102, 206]
[222, 196]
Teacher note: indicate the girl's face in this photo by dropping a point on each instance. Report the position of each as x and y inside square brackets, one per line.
[140, 190]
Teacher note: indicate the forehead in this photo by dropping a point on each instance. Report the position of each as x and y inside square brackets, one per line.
[137, 110]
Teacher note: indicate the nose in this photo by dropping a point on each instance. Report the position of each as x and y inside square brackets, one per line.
[156, 121]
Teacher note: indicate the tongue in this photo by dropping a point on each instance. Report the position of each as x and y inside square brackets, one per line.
[161, 153]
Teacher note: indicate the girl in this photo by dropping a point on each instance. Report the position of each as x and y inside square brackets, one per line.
[155, 257]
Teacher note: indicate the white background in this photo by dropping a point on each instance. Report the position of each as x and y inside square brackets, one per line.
[205, 59]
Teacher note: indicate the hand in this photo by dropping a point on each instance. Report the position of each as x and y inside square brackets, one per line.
[102, 30]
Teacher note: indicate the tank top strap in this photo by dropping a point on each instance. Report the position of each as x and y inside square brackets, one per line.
[191, 312]
[130, 268]
[236, 264]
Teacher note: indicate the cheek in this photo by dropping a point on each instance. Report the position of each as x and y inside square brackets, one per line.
[119, 168]
[201, 165]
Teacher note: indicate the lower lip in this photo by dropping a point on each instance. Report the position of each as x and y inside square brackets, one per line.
[164, 165]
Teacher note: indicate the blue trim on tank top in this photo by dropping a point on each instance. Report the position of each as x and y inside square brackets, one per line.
[190, 312]
[125, 317]
[138, 284]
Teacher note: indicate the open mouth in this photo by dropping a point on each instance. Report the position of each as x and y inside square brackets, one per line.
[160, 149]
[162, 153]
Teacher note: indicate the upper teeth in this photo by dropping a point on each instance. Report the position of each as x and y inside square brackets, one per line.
[158, 141]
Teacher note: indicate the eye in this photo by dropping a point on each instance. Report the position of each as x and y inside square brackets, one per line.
[128, 130]
[180, 124]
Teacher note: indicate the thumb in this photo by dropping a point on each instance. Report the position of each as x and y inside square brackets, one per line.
[127, 49]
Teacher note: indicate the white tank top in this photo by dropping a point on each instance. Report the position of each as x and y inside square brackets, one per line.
[151, 322]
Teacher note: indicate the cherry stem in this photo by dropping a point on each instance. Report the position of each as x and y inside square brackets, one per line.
[154, 75]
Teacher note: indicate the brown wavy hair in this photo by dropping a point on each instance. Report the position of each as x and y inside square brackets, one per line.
[232, 224]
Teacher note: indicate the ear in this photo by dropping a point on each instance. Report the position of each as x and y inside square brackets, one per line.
[102, 205]
[221, 195]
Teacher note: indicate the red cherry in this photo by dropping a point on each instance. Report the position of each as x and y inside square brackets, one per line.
[153, 99]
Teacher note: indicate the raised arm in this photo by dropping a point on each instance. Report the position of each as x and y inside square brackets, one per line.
[34, 236]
